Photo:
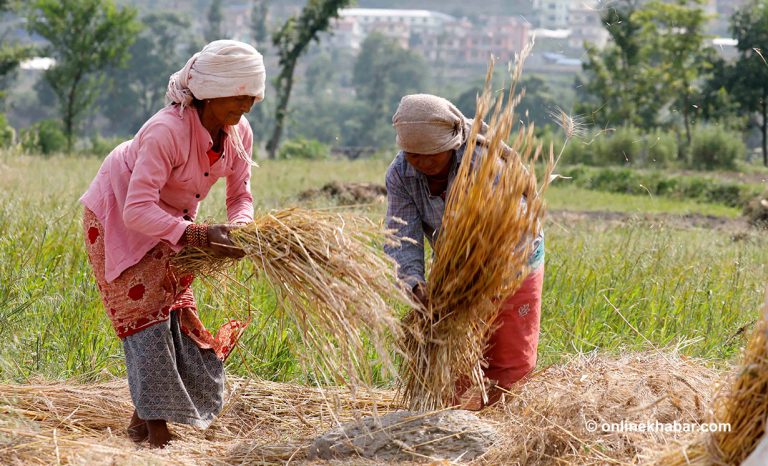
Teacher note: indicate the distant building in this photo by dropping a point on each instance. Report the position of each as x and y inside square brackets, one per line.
[726, 47]
[345, 33]
[586, 26]
[437, 36]
[464, 43]
[553, 14]
[401, 33]
[354, 24]
[37, 64]
[370, 19]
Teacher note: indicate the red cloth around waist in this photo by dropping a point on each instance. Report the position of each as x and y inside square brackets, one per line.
[146, 293]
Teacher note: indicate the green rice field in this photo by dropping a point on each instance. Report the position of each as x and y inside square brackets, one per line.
[642, 277]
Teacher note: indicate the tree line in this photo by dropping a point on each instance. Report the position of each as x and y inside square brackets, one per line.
[656, 72]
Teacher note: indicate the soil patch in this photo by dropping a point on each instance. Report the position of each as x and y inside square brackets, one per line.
[405, 435]
[347, 193]
[736, 226]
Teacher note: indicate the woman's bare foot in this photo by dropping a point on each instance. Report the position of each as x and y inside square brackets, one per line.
[159, 436]
[137, 429]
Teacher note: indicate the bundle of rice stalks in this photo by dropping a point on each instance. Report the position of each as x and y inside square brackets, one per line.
[742, 404]
[481, 255]
[331, 279]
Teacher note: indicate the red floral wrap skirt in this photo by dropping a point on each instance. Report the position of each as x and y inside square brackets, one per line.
[146, 293]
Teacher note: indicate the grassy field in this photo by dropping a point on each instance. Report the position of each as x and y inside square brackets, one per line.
[610, 286]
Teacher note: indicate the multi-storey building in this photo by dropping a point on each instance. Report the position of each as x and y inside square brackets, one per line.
[553, 14]
[465, 43]
[437, 36]
[346, 34]
[586, 27]
[371, 19]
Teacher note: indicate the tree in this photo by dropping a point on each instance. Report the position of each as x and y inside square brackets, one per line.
[291, 41]
[323, 108]
[11, 54]
[259, 15]
[672, 36]
[383, 73]
[718, 103]
[749, 86]
[138, 91]
[615, 90]
[655, 60]
[84, 37]
[536, 107]
[215, 18]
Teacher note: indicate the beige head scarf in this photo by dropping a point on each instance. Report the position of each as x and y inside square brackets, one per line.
[428, 124]
[224, 68]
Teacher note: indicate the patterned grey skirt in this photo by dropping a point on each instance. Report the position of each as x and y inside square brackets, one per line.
[171, 378]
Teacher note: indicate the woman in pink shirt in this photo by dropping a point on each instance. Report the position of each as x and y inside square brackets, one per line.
[140, 211]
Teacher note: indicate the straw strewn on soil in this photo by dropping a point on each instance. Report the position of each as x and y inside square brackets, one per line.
[332, 278]
[481, 255]
[542, 422]
[742, 403]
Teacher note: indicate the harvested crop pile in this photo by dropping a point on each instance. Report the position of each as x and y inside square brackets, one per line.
[741, 403]
[542, 422]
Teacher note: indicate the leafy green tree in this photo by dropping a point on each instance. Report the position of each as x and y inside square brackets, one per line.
[615, 90]
[215, 18]
[383, 73]
[749, 74]
[322, 108]
[320, 74]
[11, 54]
[718, 103]
[672, 34]
[84, 37]
[138, 90]
[259, 16]
[536, 106]
[655, 61]
[291, 41]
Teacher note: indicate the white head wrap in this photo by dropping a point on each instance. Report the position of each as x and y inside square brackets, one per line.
[224, 68]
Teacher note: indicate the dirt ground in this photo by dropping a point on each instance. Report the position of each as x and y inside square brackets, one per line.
[346, 193]
[368, 193]
[710, 222]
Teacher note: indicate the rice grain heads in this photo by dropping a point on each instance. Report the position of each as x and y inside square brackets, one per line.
[481, 255]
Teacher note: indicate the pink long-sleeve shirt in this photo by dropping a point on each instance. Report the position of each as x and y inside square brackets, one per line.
[148, 189]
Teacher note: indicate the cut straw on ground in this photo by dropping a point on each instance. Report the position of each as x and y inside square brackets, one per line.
[543, 422]
[741, 402]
